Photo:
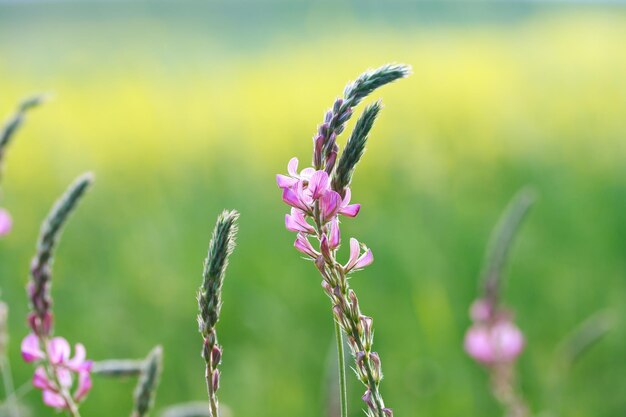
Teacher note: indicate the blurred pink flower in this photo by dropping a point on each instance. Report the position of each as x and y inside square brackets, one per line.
[56, 374]
[494, 343]
[5, 222]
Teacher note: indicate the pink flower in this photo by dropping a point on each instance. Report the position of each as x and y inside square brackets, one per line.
[358, 262]
[296, 197]
[319, 184]
[330, 204]
[481, 310]
[296, 222]
[334, 238]
[284, 181]
[347, 209]
[304, 246]
[493, 343]
[5, 222]
[61, 365]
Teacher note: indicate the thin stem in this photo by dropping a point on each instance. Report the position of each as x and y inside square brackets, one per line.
[9, 390]
[341, 363]
[214, 410]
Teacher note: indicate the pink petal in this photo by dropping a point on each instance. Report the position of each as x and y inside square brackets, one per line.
[303, 245]
[291, 197]
[292, 167]
[64, 376]
[318, 184]
[52, 399]
[351, 211]
[77, 362]
[508, 340]
[40, 379]
[477, 344]
[335, 236]
[329, 205]
[296, 222]
[366, 259]
[307, 173]
[347, 196]
[284, 181]
[58, 350]
[354, 254]
[5, 222]
[292, 225]
[324, 247]
[30, 348]
[84, 385]
[481, 310]
[501, 342]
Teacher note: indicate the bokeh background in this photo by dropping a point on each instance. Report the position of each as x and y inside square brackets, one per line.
[184, 108]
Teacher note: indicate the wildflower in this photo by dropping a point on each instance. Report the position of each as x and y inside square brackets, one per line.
[358, 262]
[494, 343]
[321, 193]
[56, 374]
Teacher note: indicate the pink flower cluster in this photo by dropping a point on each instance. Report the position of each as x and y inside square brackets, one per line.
[493, 338]
[310, 195]
[57, 370]
[5, 222]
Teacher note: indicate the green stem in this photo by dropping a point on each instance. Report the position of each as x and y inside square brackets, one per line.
[9, 390]
[341, 363]
[213, 407]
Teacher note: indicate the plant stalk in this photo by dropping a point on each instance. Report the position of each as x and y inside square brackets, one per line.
[341, 363]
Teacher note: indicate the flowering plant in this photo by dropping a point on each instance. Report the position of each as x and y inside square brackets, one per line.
[318, 195]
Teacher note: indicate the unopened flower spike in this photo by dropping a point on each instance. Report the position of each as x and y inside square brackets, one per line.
[210, 300]
[64, 379]
[318, 196]
[6, 135]
[494, 340]
[145, 392]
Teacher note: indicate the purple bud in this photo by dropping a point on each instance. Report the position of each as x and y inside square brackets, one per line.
[323, 130]
[337, 105]
[338, 294]
[375, 359]
[330, 162]
[345, 116]
[388, 412]
[215, 379]
[354, 303]
[327, 288]
[328, 116]
[325, 249]
[366, 322]
[216, 356]
[481, 310]
[367, 398]
[320, 264]
[338, 312]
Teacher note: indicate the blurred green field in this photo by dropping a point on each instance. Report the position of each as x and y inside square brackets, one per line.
[181, 112]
